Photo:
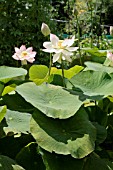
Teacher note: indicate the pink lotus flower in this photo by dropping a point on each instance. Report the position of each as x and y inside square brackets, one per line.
[110, 57]
[24, 54]
[61, 48]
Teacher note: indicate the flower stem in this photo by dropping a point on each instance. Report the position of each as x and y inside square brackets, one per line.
[91, 26]
[23, 62]
[90, 8]
[50, 63]
[78, 29]
[63, 78]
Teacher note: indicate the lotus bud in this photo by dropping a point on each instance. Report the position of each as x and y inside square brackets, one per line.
[45, 29]
[111, 30]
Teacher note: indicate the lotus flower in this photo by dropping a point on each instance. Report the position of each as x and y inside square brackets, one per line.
[24, 54]
[110, 57]
[61, 48]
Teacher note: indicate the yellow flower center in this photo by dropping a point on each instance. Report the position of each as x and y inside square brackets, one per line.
[60, 44]
[24, 54]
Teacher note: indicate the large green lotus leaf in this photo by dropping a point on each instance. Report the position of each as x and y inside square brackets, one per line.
[75, 135]
[7, 163]
[110, 98]
[94, 84]
[97, 114]
[94, 162]
[1, 88]
[70, 72]
[56, 79]
[8, 89]
[7, 73]
[2, 133]
[95, 55]
[95, 52]
[11, 144]
[54, 161]
[101, 133]
[54, 101]
[17, 122]
[29, 158]
[3, 110]
[107, 62]
[17, 103]
[38, 73]
[98, 67]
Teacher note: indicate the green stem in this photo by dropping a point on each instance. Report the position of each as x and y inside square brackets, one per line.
[89, 5]
[78, 29]
[91, 26]
[101, 9]
[63, 78]
[50, 63]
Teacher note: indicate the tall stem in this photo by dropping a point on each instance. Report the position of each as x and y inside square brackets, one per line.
[91, 26]
[78, 29]
[50, 63]
[63, 78]
[101, 9]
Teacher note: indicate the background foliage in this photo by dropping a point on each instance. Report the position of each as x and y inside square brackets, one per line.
[20, 24]
[21, 21]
